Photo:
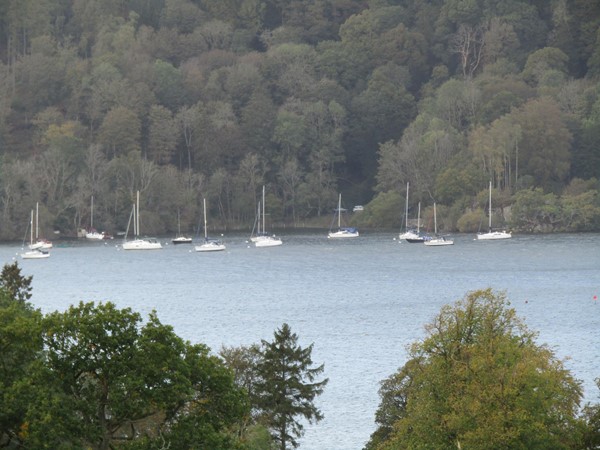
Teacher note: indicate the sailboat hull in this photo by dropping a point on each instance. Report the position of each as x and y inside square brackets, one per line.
[417, 240]
[343, 233]
[210, 246]
[181, 240]
[35, 254]
[493, 235]
[438, 242]
[142, 244]
[267, 241]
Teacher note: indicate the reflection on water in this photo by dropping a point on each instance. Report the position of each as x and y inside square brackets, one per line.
[360, 301]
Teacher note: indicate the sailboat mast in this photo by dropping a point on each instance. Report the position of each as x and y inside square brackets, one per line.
[263, 211]
[137, 214]
[434, 219]
[31, 228]
[419, 218]
[490, 209]
[204, 208]
[340, 211]
[92, 214]
[259, 219]
[406, 209]
[37, 219]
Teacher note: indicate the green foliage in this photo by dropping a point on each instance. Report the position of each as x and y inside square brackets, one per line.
[544, 151]
[316, 89]
[581, 212]
[471, 221]
[455, 183]
[479, 380]
[287, 387]
[118, 379]
[542, 61]
[386, 210]
[576, 210]
[20, 353]
[591, 428]
[17, 286]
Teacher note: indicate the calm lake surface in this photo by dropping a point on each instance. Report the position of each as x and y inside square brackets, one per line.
[360, 301]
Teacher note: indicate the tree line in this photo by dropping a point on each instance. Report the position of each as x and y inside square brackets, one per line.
[191, 99]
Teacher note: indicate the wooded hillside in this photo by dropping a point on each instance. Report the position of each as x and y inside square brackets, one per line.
[185, 99]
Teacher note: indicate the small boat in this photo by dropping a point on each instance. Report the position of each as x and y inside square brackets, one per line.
[415, 237]
[39, 243]
[492, 235]
[408, 233]
[34, 253]
[96, 235]
[437, 241]
[342, 232]
[138, 243]
[180, 238]
[92, 233]
[262, 239]
[209, 245]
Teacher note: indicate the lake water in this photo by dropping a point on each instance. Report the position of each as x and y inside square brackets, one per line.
[360, 301]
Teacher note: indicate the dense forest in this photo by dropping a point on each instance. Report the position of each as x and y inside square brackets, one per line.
[191, 99]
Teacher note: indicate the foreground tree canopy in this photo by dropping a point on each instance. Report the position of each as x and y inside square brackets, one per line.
[192, 99]
[478, 380]
[98, 377]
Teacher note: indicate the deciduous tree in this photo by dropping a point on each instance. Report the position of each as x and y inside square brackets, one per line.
[121, 379]
[479, 380]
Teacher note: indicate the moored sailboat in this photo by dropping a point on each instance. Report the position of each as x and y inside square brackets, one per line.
[38, 243]
[138, 243]
[262, 239]
[492, 234]
[92, 233]
[37, 252]
[180, 238]
[408, 233]
[437, 241]
[209, 245]
[416, 237]
[342, 232]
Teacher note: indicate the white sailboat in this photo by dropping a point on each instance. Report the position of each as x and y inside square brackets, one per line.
[209, 245]
[417, 237]
[437, 241]
[39, 243]
[180, 238]
[410, 234]
[92, 233]
[34, 253]
[492, 235]
[262, 239]
[342, 232]
[138, 243]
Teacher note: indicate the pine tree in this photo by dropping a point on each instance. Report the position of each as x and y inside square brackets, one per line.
[287, 387]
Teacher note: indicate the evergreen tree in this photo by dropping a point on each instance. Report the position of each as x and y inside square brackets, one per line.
[287, 387]
[16, 285]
